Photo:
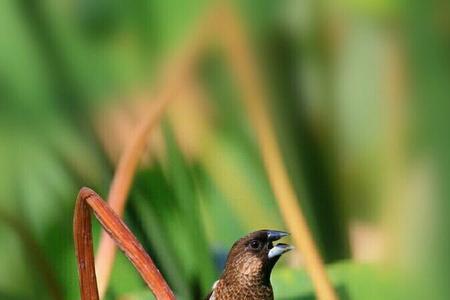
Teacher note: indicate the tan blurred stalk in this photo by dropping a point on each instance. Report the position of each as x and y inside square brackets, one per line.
[396, 176]
[120, 188]
[244, 64]
[176, 75]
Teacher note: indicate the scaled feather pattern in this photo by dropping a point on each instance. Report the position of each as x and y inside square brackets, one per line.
[248, 267]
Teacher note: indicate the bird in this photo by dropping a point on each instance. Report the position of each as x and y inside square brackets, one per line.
[248, 267]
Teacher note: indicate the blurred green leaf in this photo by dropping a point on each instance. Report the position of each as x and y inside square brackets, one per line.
[351, 280]
[150, 204]
[190, 237]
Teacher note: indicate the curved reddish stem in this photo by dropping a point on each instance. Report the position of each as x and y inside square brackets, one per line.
[88, 200]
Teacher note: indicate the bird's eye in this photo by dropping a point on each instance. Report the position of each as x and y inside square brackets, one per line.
[255, 244]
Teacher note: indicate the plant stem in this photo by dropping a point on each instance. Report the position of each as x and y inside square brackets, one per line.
[88, 200]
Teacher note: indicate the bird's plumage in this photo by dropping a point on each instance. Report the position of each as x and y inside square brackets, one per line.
[248, 267]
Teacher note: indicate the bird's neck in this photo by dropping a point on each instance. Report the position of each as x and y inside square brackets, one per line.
[247, 278]
[248, 273]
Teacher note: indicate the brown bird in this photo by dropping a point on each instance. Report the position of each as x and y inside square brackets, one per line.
[248, 267]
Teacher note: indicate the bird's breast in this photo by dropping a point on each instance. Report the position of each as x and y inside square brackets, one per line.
[241, 290]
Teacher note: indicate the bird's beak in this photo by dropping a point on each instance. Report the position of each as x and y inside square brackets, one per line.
[278, 250]
[275, 235]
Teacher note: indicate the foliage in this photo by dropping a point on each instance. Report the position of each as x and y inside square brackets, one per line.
[337, 75]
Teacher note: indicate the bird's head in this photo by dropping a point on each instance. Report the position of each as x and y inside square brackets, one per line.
[254, 255]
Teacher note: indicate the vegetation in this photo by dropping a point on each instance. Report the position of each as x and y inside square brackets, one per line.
[356, 92]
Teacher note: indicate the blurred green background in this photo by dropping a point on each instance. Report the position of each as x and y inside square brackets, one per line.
[359, 96]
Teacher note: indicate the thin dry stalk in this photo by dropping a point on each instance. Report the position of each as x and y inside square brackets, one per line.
[176, 76]
[88, 200]
[244, 65]
[120, 188]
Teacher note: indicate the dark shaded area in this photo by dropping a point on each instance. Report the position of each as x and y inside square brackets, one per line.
[311, 146]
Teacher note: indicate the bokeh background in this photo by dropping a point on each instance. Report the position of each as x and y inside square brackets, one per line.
[359, 97]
